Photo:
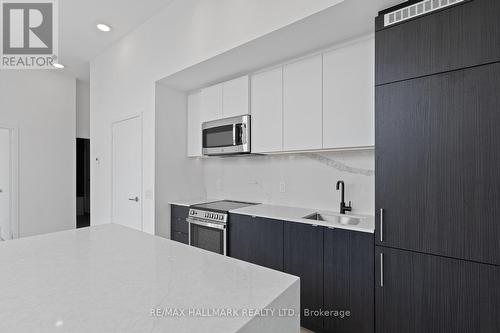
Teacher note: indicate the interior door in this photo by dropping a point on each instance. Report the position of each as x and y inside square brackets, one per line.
[127, 173]
[5, 184]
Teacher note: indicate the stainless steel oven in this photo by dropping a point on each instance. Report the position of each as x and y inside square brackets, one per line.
[229, 136]
[208, 223]
[206, 233]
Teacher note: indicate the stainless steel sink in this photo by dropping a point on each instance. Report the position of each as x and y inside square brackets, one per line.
[340, 219]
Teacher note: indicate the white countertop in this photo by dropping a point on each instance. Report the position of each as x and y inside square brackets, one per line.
[294, 214]
[190, 202]
[109, 278]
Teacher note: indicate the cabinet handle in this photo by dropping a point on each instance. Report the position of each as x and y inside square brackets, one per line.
[381, 270]
[381, 224]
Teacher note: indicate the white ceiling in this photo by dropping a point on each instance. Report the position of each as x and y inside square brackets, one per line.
[79, 39]
[334, 25]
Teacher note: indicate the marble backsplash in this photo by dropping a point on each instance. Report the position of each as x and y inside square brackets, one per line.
[309, 179]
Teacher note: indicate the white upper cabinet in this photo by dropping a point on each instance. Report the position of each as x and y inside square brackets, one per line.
[303, 104]
[325, 101]
[194, 125]
[348, 95]
[267, 111]
[235, 99]
[211, 103]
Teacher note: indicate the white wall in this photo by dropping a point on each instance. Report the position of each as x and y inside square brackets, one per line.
[183, 34]
[82, 109]
[177, 177]
[42, 105]
[310, 179]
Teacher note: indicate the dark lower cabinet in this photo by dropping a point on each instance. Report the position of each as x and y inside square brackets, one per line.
[348, 281]
[418, 293]
[180, 237]
[178, 225]
[256, 240]
[303, 256]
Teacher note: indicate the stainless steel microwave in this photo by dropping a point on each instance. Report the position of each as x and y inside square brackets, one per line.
[229, 136]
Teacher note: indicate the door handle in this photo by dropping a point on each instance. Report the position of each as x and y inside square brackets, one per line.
[136, 199]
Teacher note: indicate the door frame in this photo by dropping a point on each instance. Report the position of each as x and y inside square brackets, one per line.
[130, 117]
[14, 178]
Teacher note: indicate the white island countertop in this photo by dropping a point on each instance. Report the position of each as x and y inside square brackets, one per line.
[113, 279]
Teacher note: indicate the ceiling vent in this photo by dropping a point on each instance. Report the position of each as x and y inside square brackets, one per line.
[417, 9]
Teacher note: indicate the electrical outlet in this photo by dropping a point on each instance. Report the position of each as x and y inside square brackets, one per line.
[282, 187]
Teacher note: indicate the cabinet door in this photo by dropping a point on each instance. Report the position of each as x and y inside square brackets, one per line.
[267, 111]
[211, 103]
[194, 125]
[418, 293]
[256, 240]
[303, 104]
[481, 169]
[178, 224]
[180, 237]
[462, 36]
[303, 257]
[348, 280]
[235, 100]
[421, 171]
[437, 161]
[348, 95]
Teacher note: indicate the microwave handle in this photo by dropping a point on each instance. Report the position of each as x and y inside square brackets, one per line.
[235, 132]
[244, 133]
[239, 134]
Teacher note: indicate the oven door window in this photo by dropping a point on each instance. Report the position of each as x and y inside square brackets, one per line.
[206, 238]
[223, 136]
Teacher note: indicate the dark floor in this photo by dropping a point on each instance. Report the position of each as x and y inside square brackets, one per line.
[83, 221]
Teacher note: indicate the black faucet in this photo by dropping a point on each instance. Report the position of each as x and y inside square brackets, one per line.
[343, 207]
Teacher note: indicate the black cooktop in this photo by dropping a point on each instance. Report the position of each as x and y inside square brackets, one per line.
[222, 206]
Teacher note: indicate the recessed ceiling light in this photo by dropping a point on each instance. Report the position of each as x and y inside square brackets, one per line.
[58, 66]
[104, 27]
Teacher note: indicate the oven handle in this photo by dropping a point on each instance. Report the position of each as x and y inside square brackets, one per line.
[206, 224]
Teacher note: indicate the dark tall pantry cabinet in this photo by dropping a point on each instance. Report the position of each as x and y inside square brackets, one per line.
[437, 258]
